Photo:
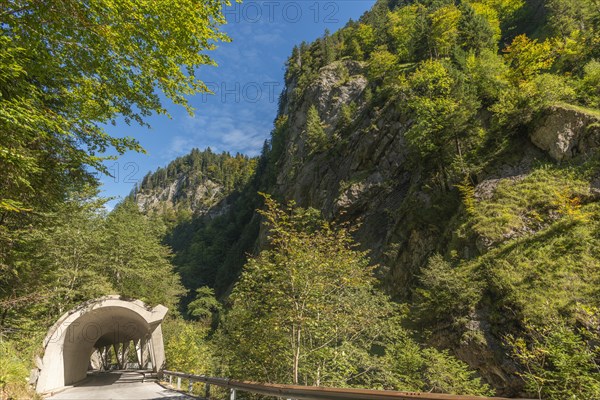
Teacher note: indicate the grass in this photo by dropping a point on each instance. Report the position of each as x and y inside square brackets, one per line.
[519, 207]
[584, 110]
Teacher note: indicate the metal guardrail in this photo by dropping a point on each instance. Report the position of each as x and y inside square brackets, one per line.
[310, 392]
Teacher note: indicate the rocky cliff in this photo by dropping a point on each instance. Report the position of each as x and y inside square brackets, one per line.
[405, 212]
[196, 184]
[472, 179]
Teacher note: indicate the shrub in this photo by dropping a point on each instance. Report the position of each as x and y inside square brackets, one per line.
[13, 374]
[560, 362]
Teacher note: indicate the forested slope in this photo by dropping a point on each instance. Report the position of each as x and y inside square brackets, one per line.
[460, 138]
[68, 69]
[455, 141]
[205, 200]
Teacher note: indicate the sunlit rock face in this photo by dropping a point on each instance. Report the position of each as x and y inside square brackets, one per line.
[565, 132]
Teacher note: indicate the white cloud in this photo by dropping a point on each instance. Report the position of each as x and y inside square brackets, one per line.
[223, 129]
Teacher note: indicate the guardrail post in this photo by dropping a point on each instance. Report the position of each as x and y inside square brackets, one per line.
[170, 379]
[190, 386]
[207, 390]
[232, 395]
[178, 383]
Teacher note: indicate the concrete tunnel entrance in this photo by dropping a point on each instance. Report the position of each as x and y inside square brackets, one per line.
[82, 338]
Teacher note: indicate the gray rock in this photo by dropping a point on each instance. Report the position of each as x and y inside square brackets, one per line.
[564, 132]
[203, 198]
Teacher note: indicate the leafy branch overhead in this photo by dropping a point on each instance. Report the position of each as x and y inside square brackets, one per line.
[68, 67]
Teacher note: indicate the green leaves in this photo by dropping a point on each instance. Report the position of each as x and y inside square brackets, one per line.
[13, 373]
[68, 67]
[83, 254]
[526, 205]
[205, 305]
[187, 347]
[137, 264]
[444, 29]
[560, 362]
[313, 292]
[448, 292]
[528, 57]
[307, 311]
[443, 110]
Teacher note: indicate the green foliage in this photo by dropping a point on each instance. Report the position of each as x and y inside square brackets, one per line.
[443, 112]
[590, 84]
[382, 64]
[306, 311]
[348, 114]
[526, 205]
[288, 326]
[410, 367]
[232, 172]
[69, 67]
[205, 305]
[444, 30]
[447, 292]
[559, 362]
[365, 38]
[138, 265]
[540, 270]
[209, 250]
[187, 347]
[546, 275]
[567, 16]
[84, 254]
[307, 308]
[504, 8]
[488, 74]
[403, 30]
[14, 373]
[492, 18]
[475, 28]
[518, 105]
[316, 138]
[446, 374]
[527, 57]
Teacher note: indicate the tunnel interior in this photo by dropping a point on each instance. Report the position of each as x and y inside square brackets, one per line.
[108, 327]
[84, 338]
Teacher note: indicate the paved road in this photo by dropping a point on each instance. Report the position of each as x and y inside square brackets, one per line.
[117, 386]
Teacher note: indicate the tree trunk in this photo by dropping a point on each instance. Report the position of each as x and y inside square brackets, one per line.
[297, 355]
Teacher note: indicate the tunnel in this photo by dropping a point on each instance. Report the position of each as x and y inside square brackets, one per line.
[77, 341]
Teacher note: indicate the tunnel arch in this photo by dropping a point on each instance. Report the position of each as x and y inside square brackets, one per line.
[106, 321]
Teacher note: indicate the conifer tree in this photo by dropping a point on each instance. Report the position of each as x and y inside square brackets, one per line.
[316, 138]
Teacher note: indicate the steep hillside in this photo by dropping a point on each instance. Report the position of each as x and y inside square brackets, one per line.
[203, 199]
[466, 154]
[193, 184]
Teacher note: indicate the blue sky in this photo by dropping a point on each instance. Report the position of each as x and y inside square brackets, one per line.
[247, 83]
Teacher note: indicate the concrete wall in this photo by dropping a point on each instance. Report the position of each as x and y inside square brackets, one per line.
[102, 322]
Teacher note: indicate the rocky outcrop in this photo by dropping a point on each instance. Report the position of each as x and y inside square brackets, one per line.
[404, 215]
[566, 131]
[367, 178]
[198, 199]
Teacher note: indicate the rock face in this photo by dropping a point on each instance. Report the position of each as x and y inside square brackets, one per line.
[404, 212]
[565, 132]
[198, 198]
[195, 184]
[369, 178]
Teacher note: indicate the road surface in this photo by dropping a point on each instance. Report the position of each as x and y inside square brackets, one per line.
[117, 386]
